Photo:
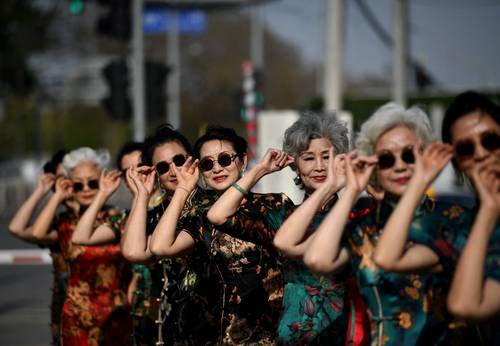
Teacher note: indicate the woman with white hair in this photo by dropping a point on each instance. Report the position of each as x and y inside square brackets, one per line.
[404, 308]
[94, 310]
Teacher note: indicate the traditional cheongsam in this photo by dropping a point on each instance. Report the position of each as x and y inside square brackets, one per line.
[250, 278]
[405, 309]
[315, 309]
[94, 311]
[59, 285]
[190, 302]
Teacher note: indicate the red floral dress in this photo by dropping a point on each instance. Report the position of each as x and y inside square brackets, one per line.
[95, 311]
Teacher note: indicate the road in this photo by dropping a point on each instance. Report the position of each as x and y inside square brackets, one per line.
[24, 297]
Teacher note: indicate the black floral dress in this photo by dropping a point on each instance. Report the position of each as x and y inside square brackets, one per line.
[249, 275]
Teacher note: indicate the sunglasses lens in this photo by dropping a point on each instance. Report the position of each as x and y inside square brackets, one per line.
[490, 141]
[386, 160]
[162, 167]
[179, 160]
[224, 159]
[93, 184]
[407, 156]
[206, 164]
[464, 149]
[77, 187]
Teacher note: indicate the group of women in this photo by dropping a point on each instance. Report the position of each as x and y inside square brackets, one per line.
[199, 259]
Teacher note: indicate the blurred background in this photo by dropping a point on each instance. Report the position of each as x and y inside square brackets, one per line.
[101, 72]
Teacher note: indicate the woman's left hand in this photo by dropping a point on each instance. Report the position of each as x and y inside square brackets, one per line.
[109, 182]
[275, 160]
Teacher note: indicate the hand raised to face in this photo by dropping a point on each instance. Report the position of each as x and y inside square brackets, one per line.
[275, 160]
[486, 179]
[188, 174]
[109, 182]
[359, 168]
[64, 188]
[431, 161]
[141, 180]
[45, 182]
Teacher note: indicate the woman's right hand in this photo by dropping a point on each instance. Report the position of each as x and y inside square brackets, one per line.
[64, 189]
[359, 168]
[141, 180]
[45, 182]
[430, 162]
[188, 174]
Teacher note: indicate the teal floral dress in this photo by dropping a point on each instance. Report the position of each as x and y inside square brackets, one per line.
[249, 277]
[404, 309]
[317, 309]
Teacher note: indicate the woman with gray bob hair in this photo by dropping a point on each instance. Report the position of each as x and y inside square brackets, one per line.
[388, 117]
[100, 157]
[313, 126]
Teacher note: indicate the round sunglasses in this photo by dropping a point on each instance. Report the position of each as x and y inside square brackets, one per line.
[91, 184]
[387, 159]
[224, 159]
[466, 148]
[163, 167]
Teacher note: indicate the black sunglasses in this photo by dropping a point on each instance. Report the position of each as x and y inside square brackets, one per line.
[386, 158]
[92, 184]
[466, 148]
[162, 167]
[224, 159]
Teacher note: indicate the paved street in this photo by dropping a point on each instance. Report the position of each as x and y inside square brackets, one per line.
[24, 298]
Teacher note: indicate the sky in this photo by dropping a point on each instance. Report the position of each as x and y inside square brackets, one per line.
[458, 41]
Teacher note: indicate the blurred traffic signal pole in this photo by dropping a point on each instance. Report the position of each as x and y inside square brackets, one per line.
[138, 89]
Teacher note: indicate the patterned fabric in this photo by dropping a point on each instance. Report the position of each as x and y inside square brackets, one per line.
[248, 276]
[94, 312]
[315, 309]
[59, 286]
[405, 309]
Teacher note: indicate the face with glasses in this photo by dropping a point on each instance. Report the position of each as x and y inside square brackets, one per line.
[219, 164]
[475, 138]
[163, 157]
[395, 159]
[85, 179]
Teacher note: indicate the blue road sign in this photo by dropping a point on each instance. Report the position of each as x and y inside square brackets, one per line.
[156, 20]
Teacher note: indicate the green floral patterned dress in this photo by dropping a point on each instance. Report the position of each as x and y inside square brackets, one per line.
[316, 308]
[405, 309]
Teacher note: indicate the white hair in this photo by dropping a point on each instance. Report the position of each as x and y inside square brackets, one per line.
[100, 158]
[388, 117]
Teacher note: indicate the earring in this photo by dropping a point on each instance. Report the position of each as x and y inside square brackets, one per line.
[297, 180]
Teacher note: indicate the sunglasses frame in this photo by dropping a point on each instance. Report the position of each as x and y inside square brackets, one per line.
[178, 158]
[465, 149]
[91, 184]
[212, 161]
[405, 157]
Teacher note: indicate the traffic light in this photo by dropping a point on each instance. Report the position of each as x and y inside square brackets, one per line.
[117, 103]
[76, 6]
[156, 74]
[116, 21]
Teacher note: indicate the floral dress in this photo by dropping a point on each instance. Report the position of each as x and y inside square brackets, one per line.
[317, 309]
[94, 312]
[404, 309]
[249, 277]
[59, 285]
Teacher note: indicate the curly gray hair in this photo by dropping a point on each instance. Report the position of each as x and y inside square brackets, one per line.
[312, 126]
[386, 118]
[72, 159]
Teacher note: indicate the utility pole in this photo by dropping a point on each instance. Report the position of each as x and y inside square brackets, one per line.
[174, 77]
[257, 38]
[399, 66]
[334, 53]
[138, 92]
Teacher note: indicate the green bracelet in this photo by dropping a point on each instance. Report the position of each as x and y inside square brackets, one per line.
[240, 189]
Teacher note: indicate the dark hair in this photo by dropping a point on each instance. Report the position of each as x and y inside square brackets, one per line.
[126, 149]
[51, 165]
[466, 103]
[164, 133]
[224, 134]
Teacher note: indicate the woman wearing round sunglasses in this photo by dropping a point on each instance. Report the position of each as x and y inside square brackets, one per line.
[317, 308]
[93, 312]
[404, 309]
[244, 284]
[471, 125]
